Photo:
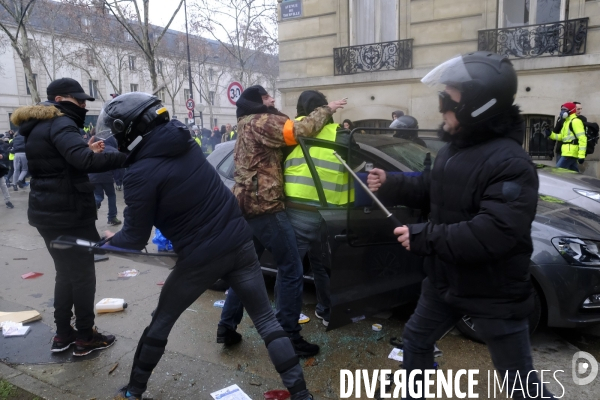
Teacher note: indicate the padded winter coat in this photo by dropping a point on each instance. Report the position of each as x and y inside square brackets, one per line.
[477, 244]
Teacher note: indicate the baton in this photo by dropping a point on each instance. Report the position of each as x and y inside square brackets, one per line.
[387, 213]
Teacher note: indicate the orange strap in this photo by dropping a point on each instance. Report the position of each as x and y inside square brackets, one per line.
[288, 133]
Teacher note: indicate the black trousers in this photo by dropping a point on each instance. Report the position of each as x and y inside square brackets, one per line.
[75, 283]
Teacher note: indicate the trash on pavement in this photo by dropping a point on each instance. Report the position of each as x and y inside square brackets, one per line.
[189, 309]
[219, 303]
[31, 275]
[11, 328]
[110, 305]
[113, 368]
[277, 395]
[20, 316]
[303, 319]
[19, 258]
[396, 354]
[232, 392]
[161, 283]
[129, 273]
[377, 327]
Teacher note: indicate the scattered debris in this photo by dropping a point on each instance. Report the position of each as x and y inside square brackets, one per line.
[311, 362]
[377, 327]
[110, 305]
[396, 354]
[129, 273]
[232, 392]
[253, 383]
[113, 368]
[31, 275]
[219, 303]
[20, 316]
[303, 319]
[19, 259]
[161, 283]
[189, 309]
[11, 328]
[277, 395]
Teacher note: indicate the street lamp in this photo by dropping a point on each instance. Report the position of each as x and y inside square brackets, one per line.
[187, 39]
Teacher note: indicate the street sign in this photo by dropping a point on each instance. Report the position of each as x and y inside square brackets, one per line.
[291, 9]
[192, 121]
[189, 104]
[234, 91]
[190, 114]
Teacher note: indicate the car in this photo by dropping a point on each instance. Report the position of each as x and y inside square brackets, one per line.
[371, 272]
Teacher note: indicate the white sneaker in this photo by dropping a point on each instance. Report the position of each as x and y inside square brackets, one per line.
[325, 322]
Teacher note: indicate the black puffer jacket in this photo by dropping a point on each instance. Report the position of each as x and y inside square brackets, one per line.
[169, 184]
[18, 144]
[483, 196]
[59, 160]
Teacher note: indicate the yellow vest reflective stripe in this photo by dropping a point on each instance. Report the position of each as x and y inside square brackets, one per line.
[299, 183]
[572, 128]
[197, 139]
[11, 156]
[231, 135]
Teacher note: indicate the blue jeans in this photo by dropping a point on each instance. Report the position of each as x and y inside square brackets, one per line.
[109, 189]
[507, 340]
[307, 226]
[568, 163]
[274, 233]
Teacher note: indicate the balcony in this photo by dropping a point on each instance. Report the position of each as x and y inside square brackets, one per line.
[563, 38]
[386, 56]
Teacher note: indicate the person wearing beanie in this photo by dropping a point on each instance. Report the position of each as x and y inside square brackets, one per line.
[570, 131]
[263, 131]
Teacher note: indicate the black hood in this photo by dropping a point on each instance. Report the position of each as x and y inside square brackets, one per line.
[250, 102]
[308, 101]
[166, 140]
[508, 124]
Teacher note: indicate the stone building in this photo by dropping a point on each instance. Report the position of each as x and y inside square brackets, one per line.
[376, 51]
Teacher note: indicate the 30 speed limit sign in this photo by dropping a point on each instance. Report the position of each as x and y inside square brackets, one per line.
[234, 91]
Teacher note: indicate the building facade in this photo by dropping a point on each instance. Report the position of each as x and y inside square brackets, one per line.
[376, 51]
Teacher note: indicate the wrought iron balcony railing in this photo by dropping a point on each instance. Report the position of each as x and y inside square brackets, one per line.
[563, 38]
[373, 57]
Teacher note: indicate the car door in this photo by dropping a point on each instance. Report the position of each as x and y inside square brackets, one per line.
[370, 270]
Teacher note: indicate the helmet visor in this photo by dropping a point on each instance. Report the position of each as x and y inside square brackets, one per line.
[103, 126]
[450, 73]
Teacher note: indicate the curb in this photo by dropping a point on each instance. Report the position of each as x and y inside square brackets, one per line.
[32, 385]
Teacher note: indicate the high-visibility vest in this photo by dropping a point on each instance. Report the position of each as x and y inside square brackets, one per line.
[299, 184]
[198, 140]
[11, 156]
[231, 135]
[573, 137]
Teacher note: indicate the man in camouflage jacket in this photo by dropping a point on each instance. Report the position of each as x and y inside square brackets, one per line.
[262, 133]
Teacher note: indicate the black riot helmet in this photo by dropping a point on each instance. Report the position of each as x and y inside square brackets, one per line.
[487, 83]
[130, 116]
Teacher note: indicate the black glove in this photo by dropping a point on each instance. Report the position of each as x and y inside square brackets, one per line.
[581, 160]
[559, 125]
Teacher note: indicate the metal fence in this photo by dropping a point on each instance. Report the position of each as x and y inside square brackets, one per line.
[386, 56]
[563, 38]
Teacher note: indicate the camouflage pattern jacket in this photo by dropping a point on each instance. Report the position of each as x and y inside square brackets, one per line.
[258, 157]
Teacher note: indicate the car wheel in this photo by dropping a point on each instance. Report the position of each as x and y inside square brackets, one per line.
[467, 327]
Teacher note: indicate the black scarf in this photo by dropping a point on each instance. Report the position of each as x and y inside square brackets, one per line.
[73, 111]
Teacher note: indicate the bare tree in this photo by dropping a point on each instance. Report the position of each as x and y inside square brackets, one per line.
[244, 28]
[16, 16]
[173, 70]
[47, 41]
[136, 23]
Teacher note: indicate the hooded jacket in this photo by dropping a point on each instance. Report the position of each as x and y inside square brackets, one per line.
[169, 184]
[59, 160]
[18, 144]
[477, 246]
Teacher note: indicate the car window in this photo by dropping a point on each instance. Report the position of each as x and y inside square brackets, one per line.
[226, 166]
[409, 155]
[434, 144]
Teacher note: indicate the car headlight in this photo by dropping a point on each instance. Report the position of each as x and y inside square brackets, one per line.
[578, 251]
[590, 194]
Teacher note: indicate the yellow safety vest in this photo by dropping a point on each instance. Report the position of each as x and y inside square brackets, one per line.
[11, 156]
[198, 140]
[299, 184]
[572, 129]
[231, 135]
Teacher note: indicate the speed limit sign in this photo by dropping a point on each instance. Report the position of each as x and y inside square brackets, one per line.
[189, 104]
[234, 91]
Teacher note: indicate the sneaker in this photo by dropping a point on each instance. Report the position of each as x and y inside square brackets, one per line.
[15, 188]
[62, 343]
[123, 394]
[114, 221]
[325, 322]
[303, 348]
[9, 205]
[437, 352]
[97, 342]
[22, 184]
[119, 187]
[227, 336]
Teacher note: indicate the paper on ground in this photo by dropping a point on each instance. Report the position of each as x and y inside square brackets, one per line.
[11, 328]
[232, 392]
[396, 354]
[219, 303]
[129, 273]
[20, 316]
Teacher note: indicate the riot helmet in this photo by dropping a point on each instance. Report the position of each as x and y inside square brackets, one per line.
[487, 83]
[129, 117]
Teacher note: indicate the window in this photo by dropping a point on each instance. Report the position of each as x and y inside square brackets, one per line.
[373, 21]
[161, 94]
[159, 65]
[90, 56]
[530, 12]
[134, 87]
[186, 94]
[211, 97]
[132, 63]
[93, 88]
[86, 24]
[27, 84]
[128, 37]
[211, 74]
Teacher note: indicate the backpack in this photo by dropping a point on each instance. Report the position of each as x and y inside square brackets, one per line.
[592, 133]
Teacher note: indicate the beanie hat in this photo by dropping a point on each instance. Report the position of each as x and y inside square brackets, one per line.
[570, 107]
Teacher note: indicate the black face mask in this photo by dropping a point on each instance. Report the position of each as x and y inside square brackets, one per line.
[74, 111]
